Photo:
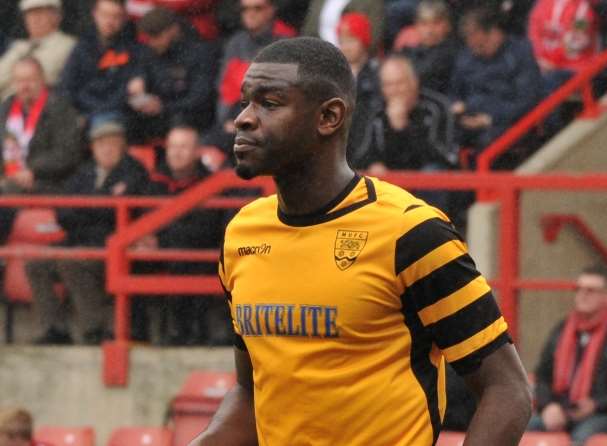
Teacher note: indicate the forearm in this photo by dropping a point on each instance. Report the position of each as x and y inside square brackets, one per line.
[234, 422]
[501, 416]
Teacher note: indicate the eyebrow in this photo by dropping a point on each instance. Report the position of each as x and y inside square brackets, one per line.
[270, 87]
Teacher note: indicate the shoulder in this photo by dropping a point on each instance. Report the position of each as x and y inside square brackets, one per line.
[255, 214]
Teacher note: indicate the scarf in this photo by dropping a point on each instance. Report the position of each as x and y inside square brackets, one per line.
[567, 377]
[22, 130]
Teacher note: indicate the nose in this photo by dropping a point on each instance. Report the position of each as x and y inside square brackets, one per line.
[246, 119]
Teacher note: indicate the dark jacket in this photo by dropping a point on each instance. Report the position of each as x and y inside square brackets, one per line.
[238, 54]
[434, 65]
[95, 77]
[368, 102]
[91, 226]
[198, 229]
[505, 86]
[545, 369]
[184, 78]
[55, 149]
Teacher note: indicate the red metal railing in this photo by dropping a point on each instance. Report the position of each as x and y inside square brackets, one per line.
[581, 82]
[506, 187]
[552, 224]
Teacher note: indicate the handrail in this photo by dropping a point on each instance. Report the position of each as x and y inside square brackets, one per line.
[581, 81]
[552, 224]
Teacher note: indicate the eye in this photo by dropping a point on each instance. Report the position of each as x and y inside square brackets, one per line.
[266, 103]
[243, 104]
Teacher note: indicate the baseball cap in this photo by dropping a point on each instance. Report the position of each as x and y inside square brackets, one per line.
[101, 128]
[358, 25]
[31, 4]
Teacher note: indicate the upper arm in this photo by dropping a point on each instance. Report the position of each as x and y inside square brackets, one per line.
[501, 368]
[447, 294]
[244, 369]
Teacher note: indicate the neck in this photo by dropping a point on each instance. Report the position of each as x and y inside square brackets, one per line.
[182, 174]
[357, 66]
[309, 189]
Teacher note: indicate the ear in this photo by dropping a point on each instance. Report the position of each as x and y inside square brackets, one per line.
[332, 116]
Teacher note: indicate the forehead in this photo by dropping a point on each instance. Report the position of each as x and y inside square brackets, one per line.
[278, 74]
[592, 280]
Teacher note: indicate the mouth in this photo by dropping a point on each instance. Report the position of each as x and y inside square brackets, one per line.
[243, 145]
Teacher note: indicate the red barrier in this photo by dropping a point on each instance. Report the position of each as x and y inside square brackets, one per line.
[581, 82]
[505, 186]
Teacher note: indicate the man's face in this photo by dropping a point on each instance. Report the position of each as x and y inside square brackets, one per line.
[276, 129]
[16, 433]
[40, 22]
[27, 81]
[162, 42]
[398, 83]
[109, 18]
[591, 294]
[182, 153]
[256, 15]
[432, 30]
[352, 47]
[108, 150]
[482, 43]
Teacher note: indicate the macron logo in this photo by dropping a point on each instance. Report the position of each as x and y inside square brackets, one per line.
[254, 250]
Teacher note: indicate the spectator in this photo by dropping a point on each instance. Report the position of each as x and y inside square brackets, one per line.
[17, 427]
[45, 42]
[404, 135]
[183, 77]
[571, 377]
[198, 13]
[104, 60]
[323, 17]
[495, 81]
[111, 172]
[260, 29]
[199, 229]
[354, 32]
[433, 57]
[40, 138]
[565, 37]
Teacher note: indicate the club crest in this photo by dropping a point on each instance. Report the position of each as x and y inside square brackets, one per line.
[348, 246]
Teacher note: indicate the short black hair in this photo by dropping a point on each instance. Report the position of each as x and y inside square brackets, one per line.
[598, 269]
[323, 71]
[156, 21]
[484, 18]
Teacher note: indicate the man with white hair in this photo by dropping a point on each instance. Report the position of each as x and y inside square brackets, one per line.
[45, 42]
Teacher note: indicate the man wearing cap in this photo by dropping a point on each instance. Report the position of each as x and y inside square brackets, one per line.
[183, 76]
[45, 41]
[110, 172]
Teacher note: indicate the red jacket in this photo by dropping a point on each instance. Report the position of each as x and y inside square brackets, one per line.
[564, 33]
[198, 12]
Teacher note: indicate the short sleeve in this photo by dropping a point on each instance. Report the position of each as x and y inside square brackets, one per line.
[238, 341]
[451, 299]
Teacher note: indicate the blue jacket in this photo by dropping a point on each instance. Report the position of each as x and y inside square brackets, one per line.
[505, 86]
[95, 77]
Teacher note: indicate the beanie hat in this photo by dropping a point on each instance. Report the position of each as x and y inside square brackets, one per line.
[358, 25]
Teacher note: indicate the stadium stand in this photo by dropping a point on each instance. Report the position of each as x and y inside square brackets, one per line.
[198, 399]
[140, 436]
[66, 436]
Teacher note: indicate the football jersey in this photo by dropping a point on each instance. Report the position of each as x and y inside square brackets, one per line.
[349, 314]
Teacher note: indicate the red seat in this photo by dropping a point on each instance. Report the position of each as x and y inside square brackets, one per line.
[447, 438]
[141, 436]
[198, 399]
[545, 439]
[597, 440]
[66, 436]
[32, 226]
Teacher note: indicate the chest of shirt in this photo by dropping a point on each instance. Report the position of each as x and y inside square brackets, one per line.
[334, 280]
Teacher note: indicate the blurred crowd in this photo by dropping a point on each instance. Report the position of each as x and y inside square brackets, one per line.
[83, 81]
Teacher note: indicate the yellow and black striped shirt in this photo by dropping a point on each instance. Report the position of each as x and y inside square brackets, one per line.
[349, 314]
